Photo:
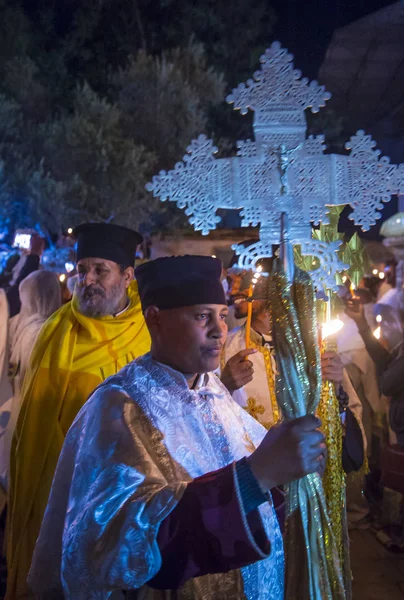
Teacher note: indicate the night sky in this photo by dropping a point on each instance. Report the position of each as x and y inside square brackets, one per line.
[305, 27]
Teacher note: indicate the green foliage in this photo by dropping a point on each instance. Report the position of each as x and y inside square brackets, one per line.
[352, 252]
[96, 97]
[165, 100]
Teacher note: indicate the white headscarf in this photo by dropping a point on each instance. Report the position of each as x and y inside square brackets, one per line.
[40, 297]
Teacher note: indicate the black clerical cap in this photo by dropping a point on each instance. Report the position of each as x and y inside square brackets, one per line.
[108, 241]
[177, 281]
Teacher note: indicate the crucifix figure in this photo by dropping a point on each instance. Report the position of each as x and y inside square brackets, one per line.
[284, 161]
[281, 170]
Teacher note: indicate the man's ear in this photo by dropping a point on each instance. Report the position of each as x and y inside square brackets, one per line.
[128, 275]
[152, 317]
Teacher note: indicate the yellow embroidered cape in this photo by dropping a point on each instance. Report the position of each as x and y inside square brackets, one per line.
[73, 354]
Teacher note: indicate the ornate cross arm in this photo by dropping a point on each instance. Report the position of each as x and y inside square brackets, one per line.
[367, 180]
[196, 182]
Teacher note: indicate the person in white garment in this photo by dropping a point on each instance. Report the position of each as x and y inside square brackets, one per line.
[165, 487]
[40, 297]
[358, 363]
[248, 373]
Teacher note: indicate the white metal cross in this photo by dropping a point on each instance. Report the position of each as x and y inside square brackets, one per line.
[281, 170]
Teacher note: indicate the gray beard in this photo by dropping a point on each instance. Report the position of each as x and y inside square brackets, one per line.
[109, 304]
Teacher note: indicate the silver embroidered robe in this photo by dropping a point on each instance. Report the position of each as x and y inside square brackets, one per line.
[132, 449]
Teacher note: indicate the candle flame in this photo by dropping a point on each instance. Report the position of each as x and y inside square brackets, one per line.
[331, 328]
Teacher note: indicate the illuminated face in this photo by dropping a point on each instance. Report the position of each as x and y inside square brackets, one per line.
[238, 296]
[101, 287]
[238, 293]
[240, 304]
[189, 339]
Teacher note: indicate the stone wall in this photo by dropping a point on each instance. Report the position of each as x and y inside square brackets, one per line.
[217, 243]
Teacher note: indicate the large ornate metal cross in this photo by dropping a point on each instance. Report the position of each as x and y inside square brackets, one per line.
[281, 170]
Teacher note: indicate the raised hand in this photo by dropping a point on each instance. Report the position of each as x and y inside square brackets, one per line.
[354, 310]
[238, 371]
[332, 367]
[37, 245]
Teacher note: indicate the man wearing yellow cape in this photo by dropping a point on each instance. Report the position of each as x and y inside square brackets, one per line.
[82, 344]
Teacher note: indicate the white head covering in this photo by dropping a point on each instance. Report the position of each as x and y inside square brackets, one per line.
[40, 294]
[40, 297]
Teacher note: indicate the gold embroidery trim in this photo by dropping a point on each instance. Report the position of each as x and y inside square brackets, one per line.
[271, 382]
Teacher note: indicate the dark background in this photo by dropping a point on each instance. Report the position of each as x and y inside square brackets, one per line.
[306, 28]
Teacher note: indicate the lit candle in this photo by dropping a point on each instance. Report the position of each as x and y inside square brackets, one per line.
[352, 289]
[330, 326]
[249, 316]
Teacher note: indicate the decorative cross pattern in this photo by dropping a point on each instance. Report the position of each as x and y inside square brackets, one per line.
[281, 170]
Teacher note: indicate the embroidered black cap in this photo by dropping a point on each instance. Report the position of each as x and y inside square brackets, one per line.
[108, 241]
[177, 281]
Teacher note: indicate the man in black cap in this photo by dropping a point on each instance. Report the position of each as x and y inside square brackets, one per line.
[163, 487]
[82, 344]
[105, 256]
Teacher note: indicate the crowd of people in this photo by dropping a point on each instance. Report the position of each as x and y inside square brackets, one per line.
[371, 347]
[143, 453]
